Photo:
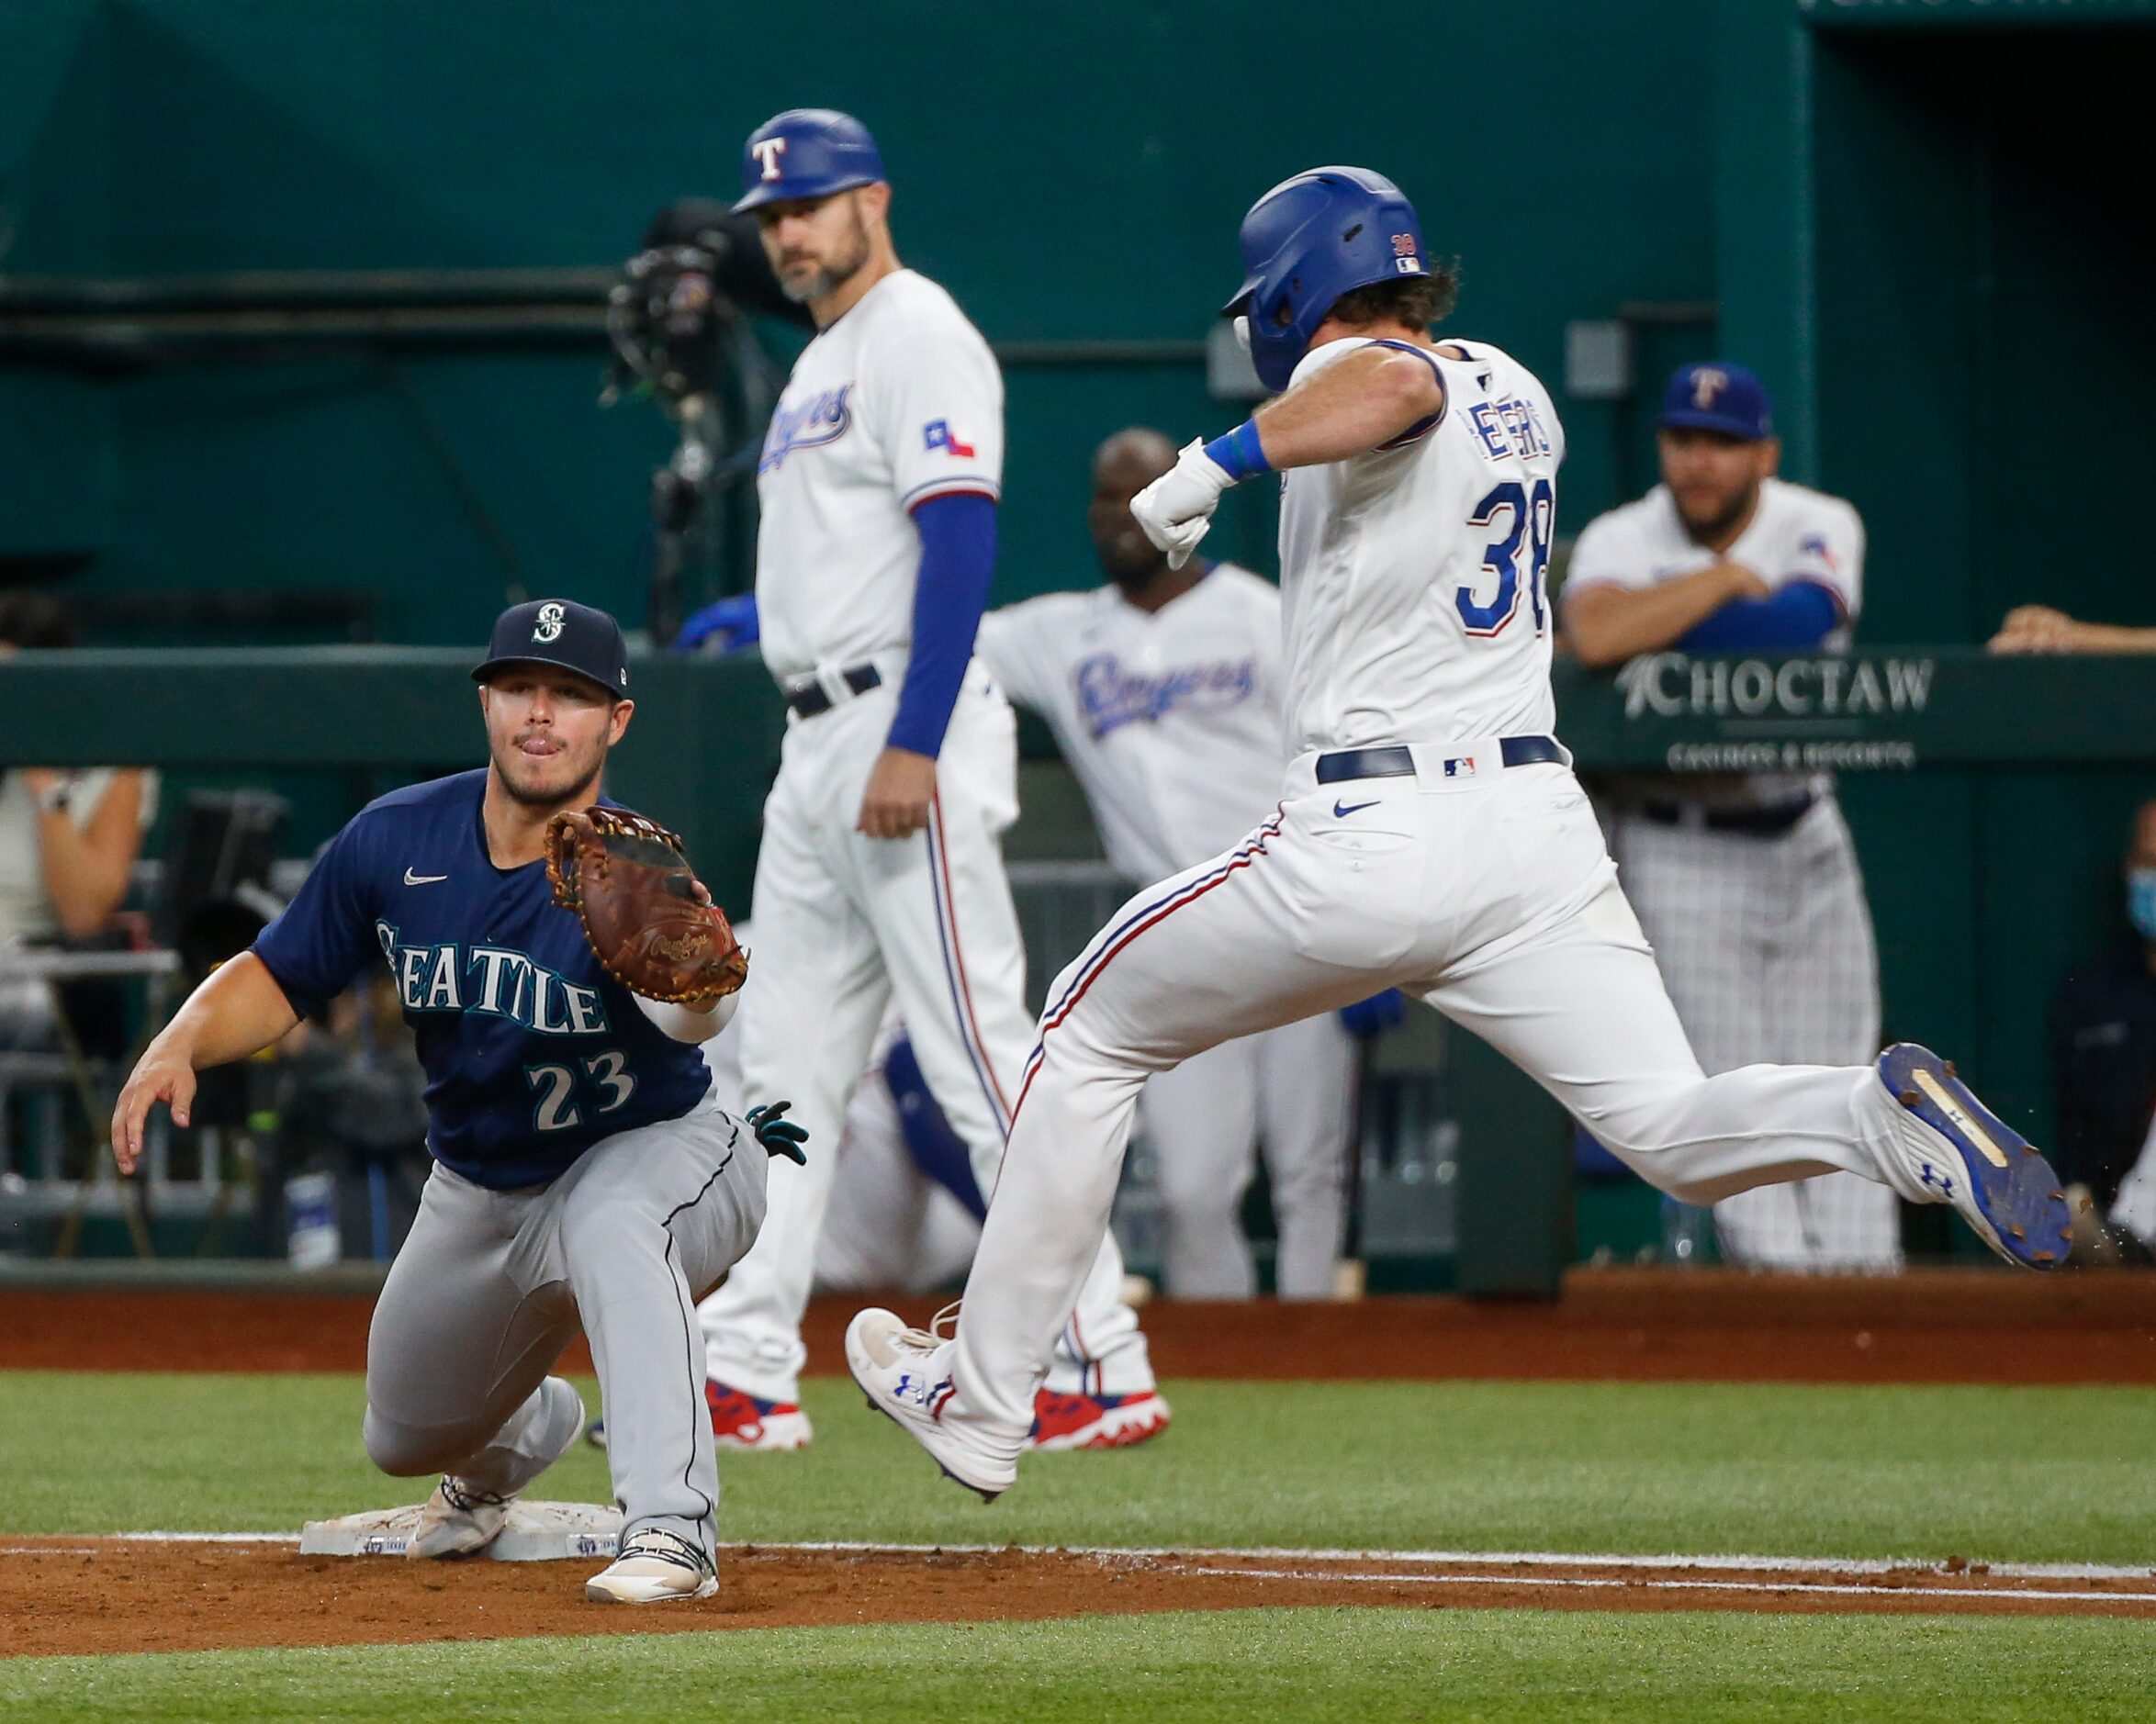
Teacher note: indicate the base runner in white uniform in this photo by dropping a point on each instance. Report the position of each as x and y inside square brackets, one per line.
[1163, 689]
[1747, 883]
[881, 876]
[1432, 837]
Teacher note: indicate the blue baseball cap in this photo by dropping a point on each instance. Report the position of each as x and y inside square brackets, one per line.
[1718, 397]
[563, 633]
[806, 152]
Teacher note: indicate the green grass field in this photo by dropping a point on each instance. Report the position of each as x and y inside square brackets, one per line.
[1998, 1474]
[1353, 1665]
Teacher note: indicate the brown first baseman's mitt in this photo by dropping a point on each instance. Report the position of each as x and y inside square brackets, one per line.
[644, 913]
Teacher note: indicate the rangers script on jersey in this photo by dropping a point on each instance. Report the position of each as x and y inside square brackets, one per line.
[1169, 717]
[898, 402]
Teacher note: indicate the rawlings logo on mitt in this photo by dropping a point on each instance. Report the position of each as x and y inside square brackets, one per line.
[647, 915]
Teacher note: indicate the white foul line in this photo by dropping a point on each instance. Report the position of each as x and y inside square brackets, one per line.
[1927, 1594]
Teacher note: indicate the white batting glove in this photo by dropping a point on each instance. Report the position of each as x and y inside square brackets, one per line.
[1176, 509]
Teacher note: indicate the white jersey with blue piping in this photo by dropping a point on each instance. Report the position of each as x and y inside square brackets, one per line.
[1415, 576]
[1169, 717]
[1796, 535]
[898, 402]
[533, 1052]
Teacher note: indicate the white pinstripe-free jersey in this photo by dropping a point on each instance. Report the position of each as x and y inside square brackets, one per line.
[1170, 717]
[1414, 576]
[897, 402]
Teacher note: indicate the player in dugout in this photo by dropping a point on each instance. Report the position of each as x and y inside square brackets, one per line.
[2103, 1071]
[1746, 884]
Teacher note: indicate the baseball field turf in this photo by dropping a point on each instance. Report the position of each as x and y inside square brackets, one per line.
[1996, 1476]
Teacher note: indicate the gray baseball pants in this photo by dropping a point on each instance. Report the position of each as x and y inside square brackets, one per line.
[489, 1288]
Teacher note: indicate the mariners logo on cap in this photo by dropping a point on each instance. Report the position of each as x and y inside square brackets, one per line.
[1708, 383]
[548, 627]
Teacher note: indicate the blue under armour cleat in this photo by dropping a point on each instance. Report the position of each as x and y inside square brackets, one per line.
[1961, 1153]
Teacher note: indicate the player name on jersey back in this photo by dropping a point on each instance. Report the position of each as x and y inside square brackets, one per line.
[1415, 577]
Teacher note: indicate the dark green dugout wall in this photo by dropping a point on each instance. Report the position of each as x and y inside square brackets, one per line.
[1932, 235]
[1073, 173]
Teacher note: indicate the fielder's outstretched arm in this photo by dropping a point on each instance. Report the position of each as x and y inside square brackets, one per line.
[239, 1009]
[1367, 398]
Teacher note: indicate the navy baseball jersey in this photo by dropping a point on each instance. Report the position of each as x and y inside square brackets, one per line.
[533, 1052]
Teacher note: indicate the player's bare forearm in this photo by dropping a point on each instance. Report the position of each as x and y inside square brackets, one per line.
[239, 1009]
[2040, 629]
[1348, 408]
[899, 789]
[1607, 624]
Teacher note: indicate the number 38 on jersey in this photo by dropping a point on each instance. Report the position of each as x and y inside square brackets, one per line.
[1520, 515]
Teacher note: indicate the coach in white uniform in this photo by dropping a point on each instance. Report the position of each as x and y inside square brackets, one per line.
[1163, 689]
[1746, 884]
[1431, 837]
[880, 875]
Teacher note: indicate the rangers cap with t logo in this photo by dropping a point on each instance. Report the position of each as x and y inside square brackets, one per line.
[563, 633]
[806, 152]
[1716, 396]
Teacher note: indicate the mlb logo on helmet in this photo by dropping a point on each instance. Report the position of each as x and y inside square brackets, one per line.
[1305, 243]
[937, 435]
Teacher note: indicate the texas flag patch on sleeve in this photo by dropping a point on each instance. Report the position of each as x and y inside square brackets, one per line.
[937, 434]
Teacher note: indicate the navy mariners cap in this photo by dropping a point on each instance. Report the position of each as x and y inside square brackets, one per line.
[563, 633]
[1718, 397]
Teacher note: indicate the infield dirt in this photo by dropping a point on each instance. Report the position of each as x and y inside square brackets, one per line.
[80, 1595]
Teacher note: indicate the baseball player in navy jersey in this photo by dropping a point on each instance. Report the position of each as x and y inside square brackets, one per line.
[1746, 884]
[581, 1168]
[1432, 836]
[1163, 689]
[881, 877]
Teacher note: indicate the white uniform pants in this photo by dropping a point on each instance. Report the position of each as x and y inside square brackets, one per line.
[1765, 944]
[1289, 1088]
[1488, 894]
[845, 925]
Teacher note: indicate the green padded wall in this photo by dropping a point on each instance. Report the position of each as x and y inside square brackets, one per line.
[1071, 174]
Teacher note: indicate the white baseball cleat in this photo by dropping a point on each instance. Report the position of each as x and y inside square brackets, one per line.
[905, 1373]
[460, 1519]
[655, 1565]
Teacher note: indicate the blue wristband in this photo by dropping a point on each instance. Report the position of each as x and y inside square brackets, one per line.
[1240, 454]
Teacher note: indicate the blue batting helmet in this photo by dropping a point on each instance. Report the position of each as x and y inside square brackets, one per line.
[1309, 241]
[806, 152]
